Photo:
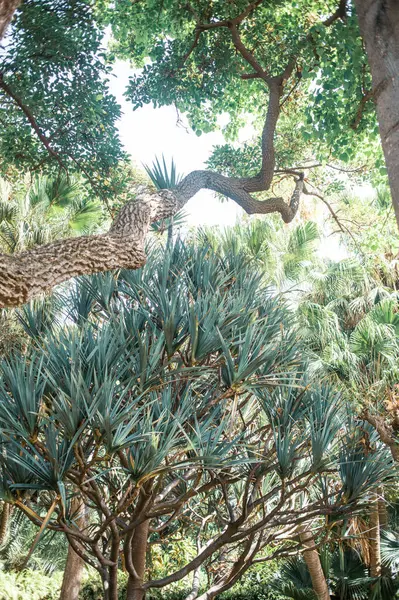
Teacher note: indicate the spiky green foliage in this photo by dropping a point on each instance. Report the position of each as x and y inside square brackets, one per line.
[165, 177]
[162, 175]
[50, 555]
[349, 323]
[347, 576]
[179, 386]
[294, 581]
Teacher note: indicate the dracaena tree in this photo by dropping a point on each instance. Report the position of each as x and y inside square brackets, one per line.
[163, 406]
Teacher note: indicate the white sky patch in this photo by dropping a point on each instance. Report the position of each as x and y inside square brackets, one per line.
[148, 132]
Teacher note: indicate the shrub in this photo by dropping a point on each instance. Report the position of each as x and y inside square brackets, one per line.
[29, 585]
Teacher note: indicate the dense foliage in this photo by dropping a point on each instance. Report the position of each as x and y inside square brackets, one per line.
[55, 108]
[164, 405]
[235, 402]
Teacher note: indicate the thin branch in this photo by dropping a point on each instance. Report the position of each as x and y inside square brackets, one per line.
[192, 47]
[334, 215]
[340, 13]
[28, 114]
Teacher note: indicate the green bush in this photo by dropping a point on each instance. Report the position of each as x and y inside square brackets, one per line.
[33, 585]
[29, 585]
[92, 590]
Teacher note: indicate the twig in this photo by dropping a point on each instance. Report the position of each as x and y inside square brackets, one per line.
[27, 112]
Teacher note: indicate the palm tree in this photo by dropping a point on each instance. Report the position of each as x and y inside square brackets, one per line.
[284, 255]
[345, 571]
[350, 323]
[45, 209]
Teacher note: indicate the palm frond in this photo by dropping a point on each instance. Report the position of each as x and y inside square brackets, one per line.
[162, 175]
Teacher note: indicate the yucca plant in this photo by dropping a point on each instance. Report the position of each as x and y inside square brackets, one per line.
[167, 396]
[165, 177]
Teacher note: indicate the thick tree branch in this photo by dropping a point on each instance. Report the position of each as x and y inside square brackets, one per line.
[29, 274]
[384, 430]
[247, 54]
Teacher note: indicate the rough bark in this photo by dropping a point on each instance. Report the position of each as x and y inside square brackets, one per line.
[74, 566]
[375, 539]
[135, 590]
[4, 521]
[7, 9]
[387, 431]
[379, 26]
[312, 560]
[28, 274]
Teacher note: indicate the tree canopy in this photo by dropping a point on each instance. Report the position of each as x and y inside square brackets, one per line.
[299, 62]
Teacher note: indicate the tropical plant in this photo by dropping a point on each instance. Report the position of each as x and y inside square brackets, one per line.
[165, 177]
[163, 404]
[284, 255]
[349, 323]
[29, 585]
[48, 208]
[347, 575]
[50, 554]
[63, 117]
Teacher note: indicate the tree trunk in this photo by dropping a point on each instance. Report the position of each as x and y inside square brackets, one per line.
[7, 9]
[72, 576]
[4, 522]
[312, 560]
[374, 539]
[195, 586]
[139, 552]
[382, 509]
[74, 566]
[379, 26]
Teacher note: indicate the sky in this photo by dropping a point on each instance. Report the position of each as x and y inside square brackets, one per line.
[149, 132]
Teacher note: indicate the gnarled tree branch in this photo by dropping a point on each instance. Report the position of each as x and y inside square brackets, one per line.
[28, 274]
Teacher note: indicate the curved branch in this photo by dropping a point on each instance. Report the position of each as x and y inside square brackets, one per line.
[28, 274]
